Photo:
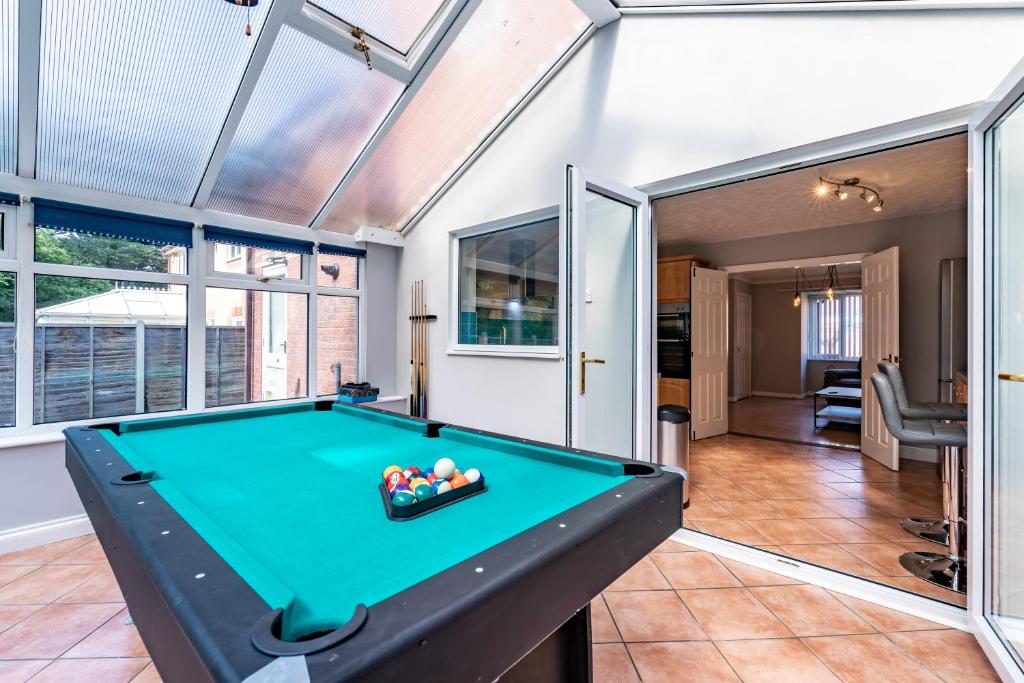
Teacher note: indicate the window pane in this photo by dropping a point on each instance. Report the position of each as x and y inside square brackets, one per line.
[508, 286]
[231, 258]
[335, 270]
[107, 348]
[337, 342]
[397, 23]
[7, 360]
[441, 126]
[133, 95]
[835, 326]
[8, 86]
[85, 249]
[255, 346]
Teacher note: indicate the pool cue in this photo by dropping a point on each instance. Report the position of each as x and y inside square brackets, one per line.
[424, 352]
[413, 405]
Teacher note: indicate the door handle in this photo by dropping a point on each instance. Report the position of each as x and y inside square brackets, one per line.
[583, 369]
[1011, 377]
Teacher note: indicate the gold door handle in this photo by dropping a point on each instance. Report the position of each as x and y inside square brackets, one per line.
[583, 369]
[1011, 377]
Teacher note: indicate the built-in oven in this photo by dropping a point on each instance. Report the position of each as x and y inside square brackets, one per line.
[674, 340]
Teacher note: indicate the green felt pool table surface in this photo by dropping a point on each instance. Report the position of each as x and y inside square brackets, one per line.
[289, 498]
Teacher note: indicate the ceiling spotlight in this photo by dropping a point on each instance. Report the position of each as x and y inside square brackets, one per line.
[841, 190]
[842, 194]
[822, 189]
[796, 301]
[878, 206]
[867, 197]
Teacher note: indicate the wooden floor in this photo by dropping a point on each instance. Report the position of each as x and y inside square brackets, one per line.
[831, 507]
[788, 419]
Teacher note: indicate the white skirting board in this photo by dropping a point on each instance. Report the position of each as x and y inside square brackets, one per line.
[34, 535]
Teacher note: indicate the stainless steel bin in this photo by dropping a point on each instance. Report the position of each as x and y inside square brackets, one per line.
[674, 442]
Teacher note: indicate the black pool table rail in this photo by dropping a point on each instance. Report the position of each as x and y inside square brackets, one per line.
[472, 621]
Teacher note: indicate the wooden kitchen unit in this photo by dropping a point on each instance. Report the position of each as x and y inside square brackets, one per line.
[674, 278]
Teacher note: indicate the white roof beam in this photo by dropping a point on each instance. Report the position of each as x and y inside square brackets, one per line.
[445, 41]
[30, 13]
[601, 12]
[265, 43]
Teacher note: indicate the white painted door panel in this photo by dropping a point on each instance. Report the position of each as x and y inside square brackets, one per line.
[880, 291]
[709, 342]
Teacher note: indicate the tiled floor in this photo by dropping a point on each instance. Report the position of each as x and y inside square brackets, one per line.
[785, 418]
[835, 508]
[678, 615]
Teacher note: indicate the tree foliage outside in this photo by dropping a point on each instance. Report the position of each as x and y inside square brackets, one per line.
[82, 249]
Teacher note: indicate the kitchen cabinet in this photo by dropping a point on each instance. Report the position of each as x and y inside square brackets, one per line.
[674, 278]
[675, 391]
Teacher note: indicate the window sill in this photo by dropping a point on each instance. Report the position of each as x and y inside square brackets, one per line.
[31, 439]
[544, 353]
[830, 359]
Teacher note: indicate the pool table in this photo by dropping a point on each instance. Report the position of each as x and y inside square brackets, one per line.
[254, 545]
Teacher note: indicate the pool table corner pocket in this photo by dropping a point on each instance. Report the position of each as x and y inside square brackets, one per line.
[266, 634]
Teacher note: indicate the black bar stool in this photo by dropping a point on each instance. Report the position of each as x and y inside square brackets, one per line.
[934, 529]
[948, 570]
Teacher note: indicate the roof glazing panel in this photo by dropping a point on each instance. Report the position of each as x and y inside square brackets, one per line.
[313, 111]
[8, 86]
[133, 95]
[397, 23]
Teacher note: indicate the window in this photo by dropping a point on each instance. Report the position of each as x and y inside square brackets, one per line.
[261, 263]
[7, 348]
[105, 348]
[255, 345]
[834, 326]
[337, 342]
[508, 282]
[101, 251]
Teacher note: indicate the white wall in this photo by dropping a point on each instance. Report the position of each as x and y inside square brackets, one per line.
[650, 97]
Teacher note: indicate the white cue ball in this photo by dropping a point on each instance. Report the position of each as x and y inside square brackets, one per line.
[472, 474]
[444, 468]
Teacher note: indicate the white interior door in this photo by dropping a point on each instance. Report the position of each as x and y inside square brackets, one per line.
[741, 340]
[880, 292]
[609, 359]
[709, 343]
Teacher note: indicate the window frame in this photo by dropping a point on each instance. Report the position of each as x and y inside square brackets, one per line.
[210, 245]
[455, 237]
[18, 257]
[812, 327]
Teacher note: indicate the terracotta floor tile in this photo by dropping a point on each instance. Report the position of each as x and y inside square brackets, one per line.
[100, 588]
[851, 507]
[112, 639]
[675, 662]
[825, 476]
[611, 664]
[90, 553]
[885, 619]
[45, 584]
[733, 530]
[775, 661]
[652, 616]
[884, 557]
[53, 630]
[670, 546]
[106, 670]
[752, 509]
[45, 553]
[810, 611]
[863, 659]
[755, 576]
[149, 675]
[642, 576]
[12, 614]
[831, 556]
[695, 570]
[705, 509]
[801, 509]
[788, 531]
[20, 670]
[732, 614]
[723, 492]
[845, 531]
[887, 528]
[862, 490]
[602, 628]
[9, 573]
[953, 655]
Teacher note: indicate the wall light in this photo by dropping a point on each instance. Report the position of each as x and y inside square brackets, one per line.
[840, 189]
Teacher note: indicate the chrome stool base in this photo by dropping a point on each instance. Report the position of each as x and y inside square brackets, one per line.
[934, 529]
[937, 569]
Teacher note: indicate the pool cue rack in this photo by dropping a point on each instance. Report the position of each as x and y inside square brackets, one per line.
[419, 350]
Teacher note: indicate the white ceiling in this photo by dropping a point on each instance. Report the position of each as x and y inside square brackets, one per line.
[929, 177]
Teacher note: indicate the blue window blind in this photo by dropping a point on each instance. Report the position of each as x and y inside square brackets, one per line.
[335, 250]
[242, 238]
[77, 218]
[10, 199]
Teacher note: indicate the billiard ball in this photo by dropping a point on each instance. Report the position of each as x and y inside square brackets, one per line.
[397, 488]
[472, 475]
[417, 481]
[423, 491]
[392, 469]
[441, 486]
[444, 468]
[411, 472]
[403, 498]
[458, 481]
[394, 479]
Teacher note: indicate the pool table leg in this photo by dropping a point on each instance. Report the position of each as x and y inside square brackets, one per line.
[563, 657]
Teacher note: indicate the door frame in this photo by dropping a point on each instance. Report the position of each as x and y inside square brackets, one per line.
[981, 370]
[577, 182]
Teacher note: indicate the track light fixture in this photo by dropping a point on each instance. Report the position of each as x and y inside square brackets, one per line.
[840, 189]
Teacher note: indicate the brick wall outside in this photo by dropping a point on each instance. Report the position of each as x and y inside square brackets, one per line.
[337, 328]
